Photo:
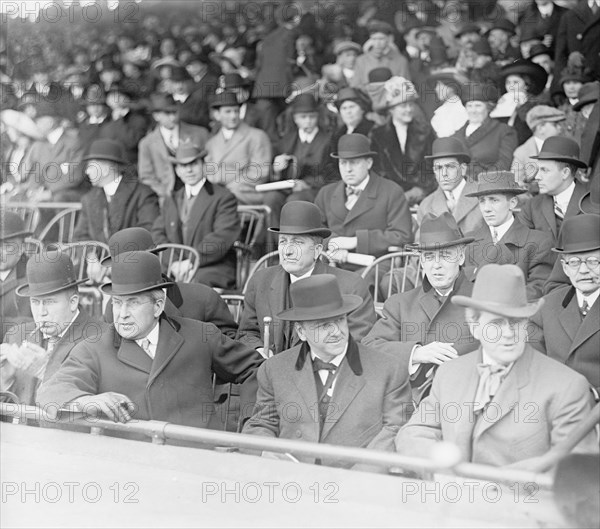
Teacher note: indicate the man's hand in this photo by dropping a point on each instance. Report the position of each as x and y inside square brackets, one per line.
[28, 357]
[115, 406]
[7, 370]
[434, 353]
[180, 270]
[343, 243]
[338, 256]
[281, 162]
[300, 185]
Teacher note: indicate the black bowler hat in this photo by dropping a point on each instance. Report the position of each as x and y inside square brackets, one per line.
[233, 80]
[590, 202]
[353, 146]
[134, 273]
[304, 103]
[224, 99]
[449, 148]
[47, 273]
[318, 297]
[179, 73]
[301, 218]
[579, 234]
[163, 103]
[105, 149]
[439, 232]
[129, 240]
[496, 182]
[560, 149]
[352, 94]
[12, 226]
[504, 25]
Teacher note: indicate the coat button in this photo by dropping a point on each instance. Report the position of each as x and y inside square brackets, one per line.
[579, 36]
[298, 433]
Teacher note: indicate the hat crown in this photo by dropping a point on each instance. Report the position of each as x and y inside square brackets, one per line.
[136, 270]
[353, 145]
[106, 149]
[11, 224]
[380, 75]
[130, 239]
[187, 150]
[299, 216]
[161, 101]
[305, 103]
[225, 99]
[318, 292]
[501, 284]
[561, 146]
[439, 231]
[496, 181]
[50, 271]
[448, 147]
[580, 233]
[589, 90]
[232, 80]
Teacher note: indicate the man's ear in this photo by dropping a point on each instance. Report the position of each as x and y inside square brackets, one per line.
[300, 331]
[513, 202]
[369, 163]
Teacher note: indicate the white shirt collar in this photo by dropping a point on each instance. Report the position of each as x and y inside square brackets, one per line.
[564, 197]
[55, 135]
[152, 338]
[172, 134]
[65, 329]
[401, 132]
[4, 274]
[591, 298]
[192, 191]
[503, 228]
[456, 192]
[180, 98]
[294, 278]
[337, 361]
[538, 143]
[308, 138]
[471, 128]
[119, 113]
[111, 188]
[591, 3]
[227, 133]
[573, 100]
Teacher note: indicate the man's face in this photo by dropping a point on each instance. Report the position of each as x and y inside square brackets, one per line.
[196, 68]
[11, 251]
[468, 39]
[95, 111]
[190, 173]
[354, 170]
[477, 111]
[101, 172]
[379, 43]
[443, 266]
[498, 38]
[351, 112]
[496, 209]
[571, 88]
[515, 83]
[298, 253]
[448, 172]
[503, 339]
[327, 338]
[551, 178]
[168, 120]
[52, 313]
[347, 59]
[179, 87]
[404, 112]
[306, 121]
[584, 277]
[228, 117]
[549, 128]
[135, 316]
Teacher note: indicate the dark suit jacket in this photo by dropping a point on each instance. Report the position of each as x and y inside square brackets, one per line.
[212, 228]
[371, 400]
[128, 131]
[529, 249]
[273, 70]
[532, 18]
[491, 146]
[12, 307]
[26, 386]
[134, 205]
[408, 169]
[380, 218]
[175, 386]
[563, 334]
[194, 110]
[266, 294]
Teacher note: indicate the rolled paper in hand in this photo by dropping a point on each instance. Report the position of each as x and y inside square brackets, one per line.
[267, 335]
[275, 186]
[360, 259]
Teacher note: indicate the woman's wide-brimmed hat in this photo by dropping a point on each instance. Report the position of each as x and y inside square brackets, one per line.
[399, 90]
[318, 297]
[129, 240]
[500, 289]
[47, 273]
[439, 232]
[353, 146]
[352, 94]
[301, 218]
[580, 234]
[534, 71]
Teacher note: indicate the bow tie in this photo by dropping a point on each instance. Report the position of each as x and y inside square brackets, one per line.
[319, 365]
[352, 191]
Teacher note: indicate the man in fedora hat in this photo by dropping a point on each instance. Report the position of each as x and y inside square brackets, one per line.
[560, 191]
[13, 260]
[203, 216]
[421, 326]
[301, 155]
[365, 212]
[343, 393]
[187, 300]
[117, 199]
[513, 404]
[504, 239]
[36, 349]
[300, 240]
[148, 366]
[569, 322]
[346, 52]
[154, 167]
[241, 87]
[238, 156]
[451, 159]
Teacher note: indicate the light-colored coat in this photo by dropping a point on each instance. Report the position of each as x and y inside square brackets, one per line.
[524, 167]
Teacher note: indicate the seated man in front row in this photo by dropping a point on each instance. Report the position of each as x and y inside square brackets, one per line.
[300, 246]
[342, 393]
[149, 366]
[514, 403]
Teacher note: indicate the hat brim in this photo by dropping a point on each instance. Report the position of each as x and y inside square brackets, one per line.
[25, 291]
[351, 155]
[508, 311]
[501, 191]
[350, 302]
[170, 108]
[15, 235]
[559, 158]
[582, 102]
[588, 247]
[107, 261]
[539, 79]
[420, 247]
[586, 205]
[130, 290]
[460, 155]
[189, 159]
[116, 159]
[319, 232]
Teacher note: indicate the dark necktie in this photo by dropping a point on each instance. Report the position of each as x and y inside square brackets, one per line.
[558, 211]
[319, 365]
[584, 308]
[322, 389]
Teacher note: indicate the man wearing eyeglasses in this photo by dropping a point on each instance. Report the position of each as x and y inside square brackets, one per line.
[569, 322]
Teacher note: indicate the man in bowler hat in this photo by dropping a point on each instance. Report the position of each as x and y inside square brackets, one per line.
[568, 326]
[343, 393]
[515, 403]
[36, 350]
[300, 239]
[148, 366]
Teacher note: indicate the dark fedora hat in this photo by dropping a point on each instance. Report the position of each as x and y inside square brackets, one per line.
[588, 93]
[105, 149]
[129, 240]
[560, 149]
[379, 26]
[353, 146]
[186, 153]
[301, 218]
[500, 289]
[318, 297]
[380, 74]
[495, 182]
[579, 234]
[224, 99]
[180, 73]
[486, 92]
[468, 28]
[47, 273]
[304, 103]
[539, 49]
[439, 232]
[352, 94]
[482, 47]
[590, 202]
[503, 24]
[449, 148]
[534, 71]
[233, 80]
[12, 226]
[163, 103]
[134, 273]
